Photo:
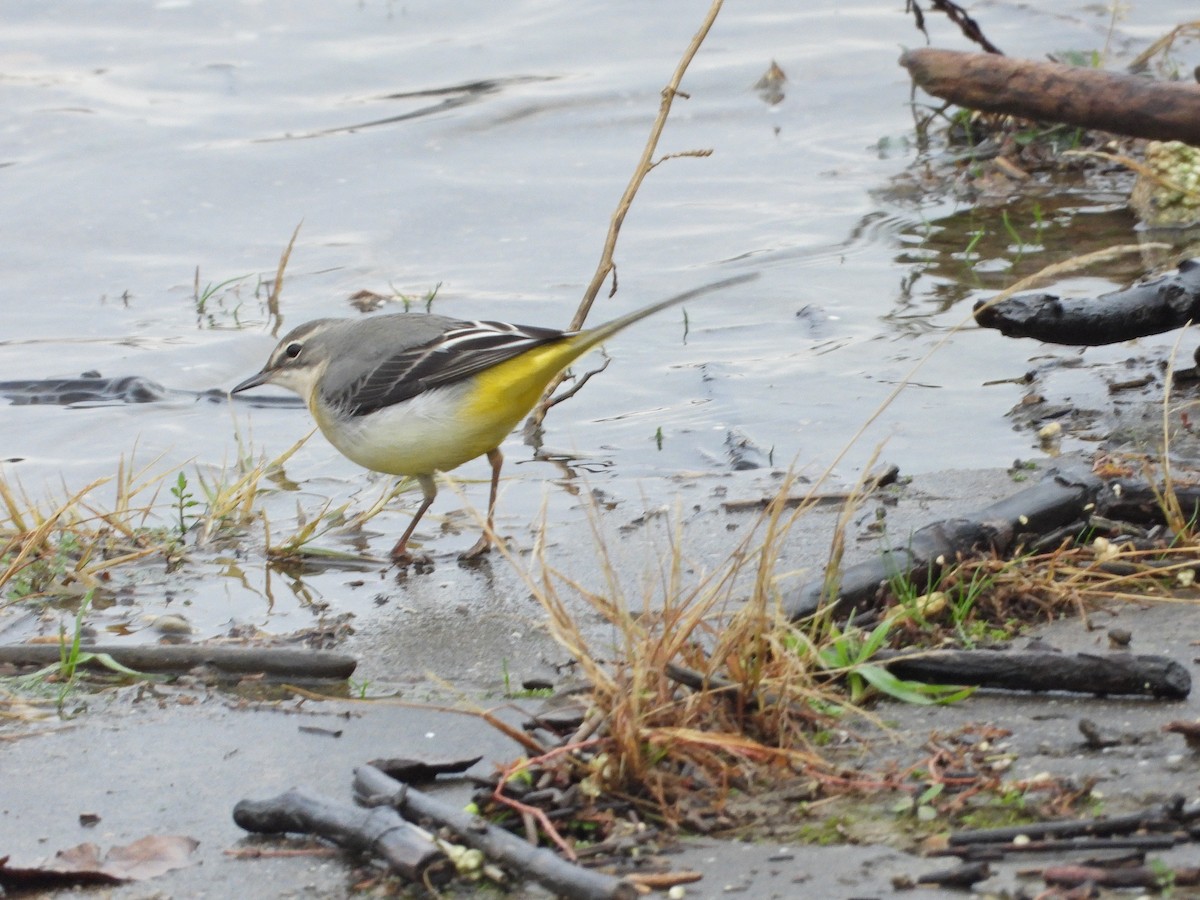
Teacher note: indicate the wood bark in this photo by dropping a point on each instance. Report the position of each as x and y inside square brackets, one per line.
[1070, 876]
[1164, 304]
[1058, 499]
[1110, 674]
[1170, 816]
[563, 878]
[379, 832]
[1052, 92]
[280, 662]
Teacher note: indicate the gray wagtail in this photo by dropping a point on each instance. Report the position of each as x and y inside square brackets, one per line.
[414, 393]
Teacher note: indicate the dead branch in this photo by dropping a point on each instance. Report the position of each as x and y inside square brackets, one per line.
[563, 878]
[1060, 498]
[1069, 876]
[1052, 92]
[1110, 674]
[380, 832]
[1163, 304]
[279, 662]
[1170, 816]
[956, 14]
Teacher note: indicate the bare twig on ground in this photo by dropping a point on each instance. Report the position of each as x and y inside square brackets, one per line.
[284, 662]
[543, 866]
[382, 832]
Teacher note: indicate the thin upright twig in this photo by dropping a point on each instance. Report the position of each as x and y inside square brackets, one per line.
[645, 164]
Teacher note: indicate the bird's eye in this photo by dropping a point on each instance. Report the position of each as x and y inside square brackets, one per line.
[293, 349]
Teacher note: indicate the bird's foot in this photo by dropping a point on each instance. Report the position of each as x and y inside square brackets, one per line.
[482, 547]
[402, 556]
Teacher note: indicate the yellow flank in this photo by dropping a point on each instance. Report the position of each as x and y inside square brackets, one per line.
[503, 394]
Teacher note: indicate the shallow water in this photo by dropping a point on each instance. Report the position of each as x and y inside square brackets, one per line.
[153, 151]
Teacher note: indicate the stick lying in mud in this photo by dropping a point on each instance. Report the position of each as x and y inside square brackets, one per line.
[563, 878]
[380, 832]
[1058, 499]
[1110, 674]
[277, 662]
[1163, 304]
[1171, 816]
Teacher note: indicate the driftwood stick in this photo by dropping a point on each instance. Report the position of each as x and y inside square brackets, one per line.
[280, 662]
[1052, 92]
[1171, 816]
[557, 875]
[1060, 497]
[1163, 304]
[1127, 500]
[1041, 670]
[1068, 876]
[380, 832]
[1140, 842]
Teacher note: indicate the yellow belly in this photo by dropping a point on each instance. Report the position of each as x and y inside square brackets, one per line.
[441, 429]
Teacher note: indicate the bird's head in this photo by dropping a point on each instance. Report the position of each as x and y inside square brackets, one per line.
[298, 360]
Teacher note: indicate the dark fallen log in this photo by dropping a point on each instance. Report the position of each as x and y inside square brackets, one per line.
[1143, 843]
[557, 875]
[277, 662]
[1052, 92]
[1127, 500]
[1112, 674]
[1059, 498]
[884, 477]
[1170, 816]
[1164, 304]
[1069, 876]
[961, 876]
[379, 832]
[406, 769]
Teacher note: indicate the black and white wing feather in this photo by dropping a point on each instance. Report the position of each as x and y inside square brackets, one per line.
[460, 351]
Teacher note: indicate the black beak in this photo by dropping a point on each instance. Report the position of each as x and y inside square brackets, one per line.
[253, 381]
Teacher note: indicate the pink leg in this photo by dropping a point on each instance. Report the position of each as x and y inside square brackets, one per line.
[484, 544]
[429, 489]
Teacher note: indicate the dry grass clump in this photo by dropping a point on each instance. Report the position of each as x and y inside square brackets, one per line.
[63, 547]
[703, 687]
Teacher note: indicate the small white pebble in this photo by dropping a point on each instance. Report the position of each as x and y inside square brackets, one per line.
[1048, 432]
[171, 624]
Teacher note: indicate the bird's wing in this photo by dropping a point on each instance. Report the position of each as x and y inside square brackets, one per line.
[462, 350]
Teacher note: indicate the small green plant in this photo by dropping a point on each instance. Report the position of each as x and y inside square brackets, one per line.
[1017, 240]
[203, 299]
[1039, 224]
[1164, 877]
[923, 806]
[519, 693]
[976, 236]
[184, 501]
[72, 658]
[1019, 470]
[848, 653]
[408, 300]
